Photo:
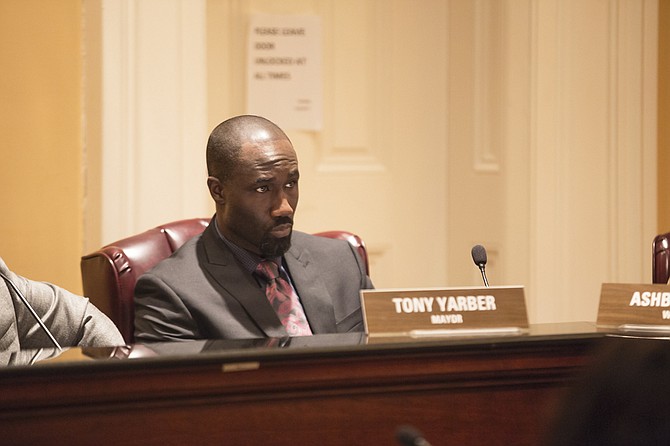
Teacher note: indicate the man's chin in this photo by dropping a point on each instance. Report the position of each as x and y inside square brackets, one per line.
[275, 247]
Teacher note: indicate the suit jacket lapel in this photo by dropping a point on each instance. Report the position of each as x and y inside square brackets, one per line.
[240, 285]
[315, 298]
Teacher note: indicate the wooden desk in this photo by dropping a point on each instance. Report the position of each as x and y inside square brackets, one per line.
[325, 390]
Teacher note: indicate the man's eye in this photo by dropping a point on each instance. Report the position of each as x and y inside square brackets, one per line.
[262, 189]
[292, 184]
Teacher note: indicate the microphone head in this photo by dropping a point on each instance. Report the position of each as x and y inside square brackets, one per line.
[479, 255]
[408, 436]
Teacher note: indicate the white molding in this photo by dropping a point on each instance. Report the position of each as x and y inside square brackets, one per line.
[605, 149]
[118, 117]
[193, 109]
[349, 137]
[488, 104]
[154, 113]
[633, 192]
[547, 257]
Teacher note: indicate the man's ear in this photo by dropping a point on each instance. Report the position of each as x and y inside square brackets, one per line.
[216, 190]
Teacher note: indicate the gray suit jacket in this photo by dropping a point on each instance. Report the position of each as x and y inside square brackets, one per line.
[70, 318]
[202, 292]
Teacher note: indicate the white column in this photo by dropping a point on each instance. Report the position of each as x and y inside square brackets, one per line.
[154, 114]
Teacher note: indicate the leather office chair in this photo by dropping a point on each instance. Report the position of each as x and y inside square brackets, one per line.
[660, 260]
[354, 240]
[110, 273]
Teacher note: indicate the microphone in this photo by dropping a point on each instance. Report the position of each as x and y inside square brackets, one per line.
[479, 257]
[23, 299]
[408, 436]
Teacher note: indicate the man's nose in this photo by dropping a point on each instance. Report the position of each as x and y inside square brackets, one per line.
[283, 207]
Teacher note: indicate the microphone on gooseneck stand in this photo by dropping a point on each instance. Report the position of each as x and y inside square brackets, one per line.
[408, 436]
[479, 257]
[23, 299]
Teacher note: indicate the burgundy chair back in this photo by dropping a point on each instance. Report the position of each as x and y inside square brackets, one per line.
[354, 240]
[110, 273]
[660, 260]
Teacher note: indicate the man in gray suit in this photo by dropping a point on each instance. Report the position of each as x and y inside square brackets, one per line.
[214, 287]
[71, 319]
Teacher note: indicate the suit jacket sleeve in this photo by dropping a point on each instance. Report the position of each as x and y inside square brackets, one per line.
[72, 319]
[160, 314]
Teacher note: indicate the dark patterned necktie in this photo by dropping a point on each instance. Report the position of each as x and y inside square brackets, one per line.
[284, 300]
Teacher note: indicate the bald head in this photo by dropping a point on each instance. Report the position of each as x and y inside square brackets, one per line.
[226, 140]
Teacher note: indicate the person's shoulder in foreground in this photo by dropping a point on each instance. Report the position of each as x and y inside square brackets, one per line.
[621, 398]
[210, 288]
[72, 319]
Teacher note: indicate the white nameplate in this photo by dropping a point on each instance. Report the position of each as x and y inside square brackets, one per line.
[635, 307]
[444, 311]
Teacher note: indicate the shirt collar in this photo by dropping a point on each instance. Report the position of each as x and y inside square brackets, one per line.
[248, 259]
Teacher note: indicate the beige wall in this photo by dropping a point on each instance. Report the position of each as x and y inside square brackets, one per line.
[40, 124]
[664, 116]
[527, 126]
[40, 111]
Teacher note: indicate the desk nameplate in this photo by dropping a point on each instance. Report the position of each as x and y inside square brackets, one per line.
[635, 307]
[444, 311]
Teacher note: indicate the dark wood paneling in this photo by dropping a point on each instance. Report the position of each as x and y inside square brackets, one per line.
[457, 394]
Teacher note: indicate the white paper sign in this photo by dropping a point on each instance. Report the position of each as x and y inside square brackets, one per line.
[284, 70]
